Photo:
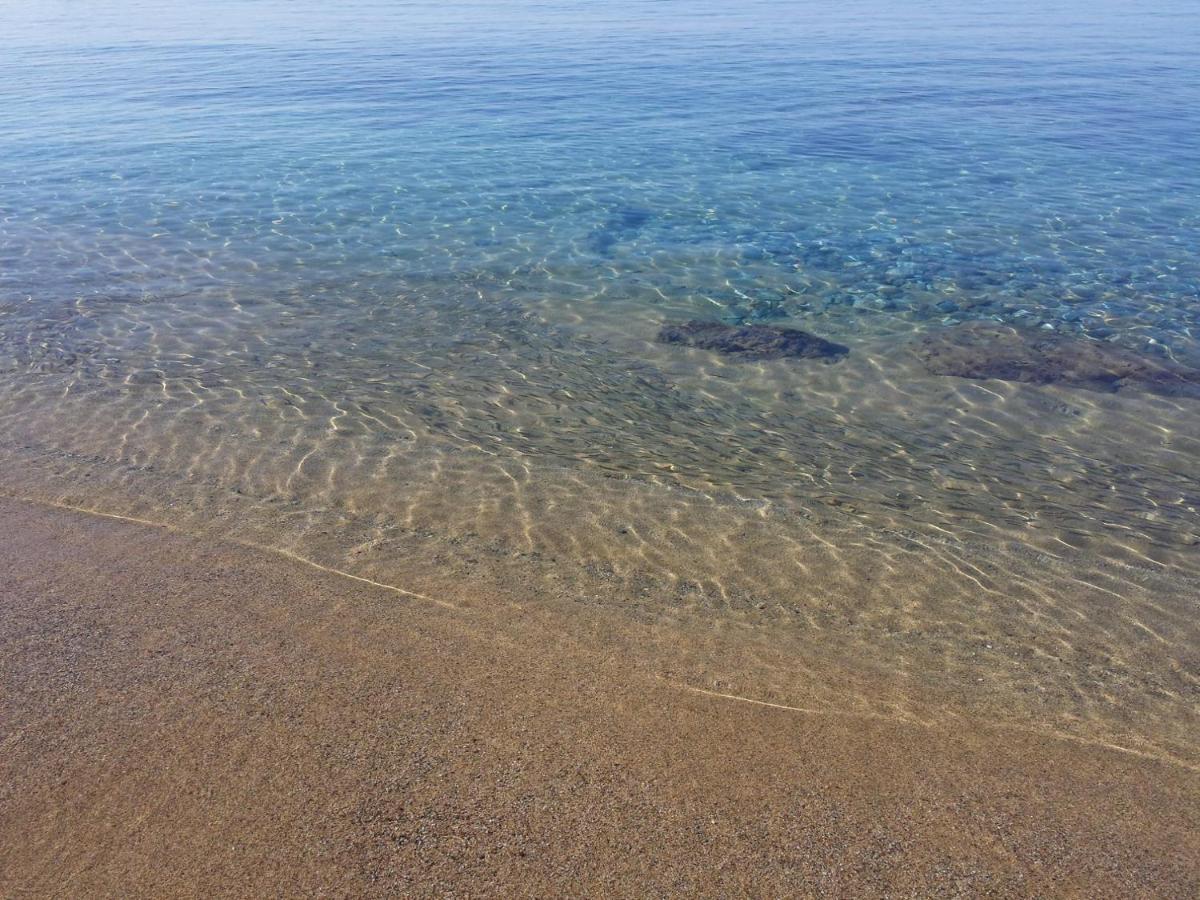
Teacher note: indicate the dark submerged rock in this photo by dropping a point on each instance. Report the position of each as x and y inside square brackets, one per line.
[752, 341]
[986, 350]
[623, 225]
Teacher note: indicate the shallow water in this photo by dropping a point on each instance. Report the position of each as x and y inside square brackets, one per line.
[379, 285]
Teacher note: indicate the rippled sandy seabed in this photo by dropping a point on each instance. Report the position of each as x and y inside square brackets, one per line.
[321, 327]
[859, 537]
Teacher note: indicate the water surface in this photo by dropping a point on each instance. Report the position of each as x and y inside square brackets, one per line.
[379, 284]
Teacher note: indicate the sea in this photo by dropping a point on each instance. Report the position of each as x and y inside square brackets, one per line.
[383, 285]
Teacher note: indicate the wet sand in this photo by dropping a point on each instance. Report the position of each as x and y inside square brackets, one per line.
[184, 716]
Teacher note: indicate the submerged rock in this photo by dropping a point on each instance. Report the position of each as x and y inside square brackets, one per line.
[623, 225]
[987, 350]
[752, 341]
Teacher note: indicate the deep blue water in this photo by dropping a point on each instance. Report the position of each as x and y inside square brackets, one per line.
[1043, 157]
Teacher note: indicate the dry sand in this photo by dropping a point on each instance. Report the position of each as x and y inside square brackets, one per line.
[193, 718]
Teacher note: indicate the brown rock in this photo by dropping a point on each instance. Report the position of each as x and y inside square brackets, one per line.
[989, 350]
[752, 341]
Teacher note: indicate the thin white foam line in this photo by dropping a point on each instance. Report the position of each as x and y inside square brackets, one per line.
[287, 554]
[808, 711]
[1055, 735]
[379, 584]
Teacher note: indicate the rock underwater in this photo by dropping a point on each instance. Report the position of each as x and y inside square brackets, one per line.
[984, 350]
[752, 341]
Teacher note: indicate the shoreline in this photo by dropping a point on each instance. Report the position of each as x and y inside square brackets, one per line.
[187, 716]
[817, 611]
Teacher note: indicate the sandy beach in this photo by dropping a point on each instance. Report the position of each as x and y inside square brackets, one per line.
[186, 717]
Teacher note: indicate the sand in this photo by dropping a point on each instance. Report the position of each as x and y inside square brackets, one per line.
[187, 717]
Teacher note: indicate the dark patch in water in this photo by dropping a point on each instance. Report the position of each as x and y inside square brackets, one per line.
[623, 225]
[983, 350]
[752, 341]
[632, 217]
